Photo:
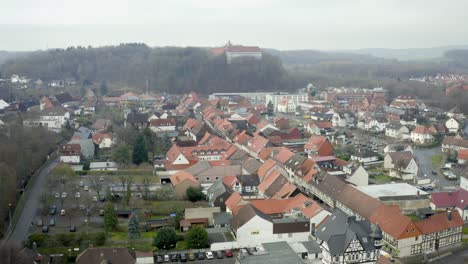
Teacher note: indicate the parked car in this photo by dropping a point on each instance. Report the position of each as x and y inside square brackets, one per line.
[102, 199]
[77, 195]
[86, 188]
[200, 256]
[52, 222]
[39, 222]
[101, 212]
[45, 229]
[53, 210]
[81, 183]
[219, 254]
[175, 257]
[101, 178]
[192, 257]
[72, 229]
[209, 255]
[159, 259]
[228, 253]
[63, 212]
[434, 172]
[64, 195]
[183, 257]
[57, 195]
[167, 258]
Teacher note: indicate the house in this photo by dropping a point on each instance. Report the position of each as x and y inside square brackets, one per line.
[218, 193]
[318, 146]
[373, 124]
[137, 120]
[233, 52]
[365, 156]
[53, 119]
[456, 113]
[319, 127]
[441, 201]
[101, 125]
[454, 125]
[195, 129]
[343, 119]
[87, 147]
[70, 153]
[423, 134]
[454, 143]
[462, 156]
[256, 144]
[163, 125]
[404, 102]
[281, 123]
[345, 239]
[144, 257]
[251, 227]
[401, 164]
[356, 174]
[105, 255]
[397, 130]
[182, 181]
[208, 172]
[103, 140]
[103, 166]
[82, 133]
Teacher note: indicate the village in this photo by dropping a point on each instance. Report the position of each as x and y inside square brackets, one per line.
[330, 176]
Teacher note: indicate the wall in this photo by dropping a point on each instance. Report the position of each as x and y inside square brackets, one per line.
[70, 159]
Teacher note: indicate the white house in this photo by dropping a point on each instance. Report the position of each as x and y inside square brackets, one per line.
[397, 130]
[397, 147]
[365, 156]
[422, 134]
[70, 153]
[401, 165]
[103, 140]
[163, 125]
[454, 125]
[252, 228]
[373, 124]
[356, 174]
[3, 104]
[103, 166]
[342, 119]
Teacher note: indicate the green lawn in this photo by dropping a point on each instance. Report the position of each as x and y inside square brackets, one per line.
[465, 230]
[437, 161]
[229, 236]
[181, 245]
[167, 207]
[382, 178]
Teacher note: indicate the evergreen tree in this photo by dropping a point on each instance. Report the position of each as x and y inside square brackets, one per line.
[197, 237]
[110, 217]
[166, 238]
[140, 152]
[133, 227]
[121, 155]
[270, 108]
[194, 194]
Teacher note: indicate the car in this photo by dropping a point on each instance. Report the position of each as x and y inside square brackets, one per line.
[45, 229]
[219, 254]
[86, 188]
[191, 256]
[228, 253]
[174, 257]
[77, 195]
[183, 257]
[52, 222]
[101, 212]
[57, 195]
[102, 199]
[64, 195]
[101, 178]
[209, 255]
[95, 199]
[53, 210]
[159, 259]
[434, 172]
[63, 212]
[39, 222]
[81, 183]
[200, 256]
[166, 258]
[72, 229]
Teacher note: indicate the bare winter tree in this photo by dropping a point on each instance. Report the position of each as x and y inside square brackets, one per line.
[15, 254]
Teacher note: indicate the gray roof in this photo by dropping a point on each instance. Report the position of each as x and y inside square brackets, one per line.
[312, 247]
[217, 189]
[251, 166]
[248, 180]
[87, 147]
[275, 253]
[340, 229]
[222, 218]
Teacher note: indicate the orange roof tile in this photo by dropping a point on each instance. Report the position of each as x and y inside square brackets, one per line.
[182, 176]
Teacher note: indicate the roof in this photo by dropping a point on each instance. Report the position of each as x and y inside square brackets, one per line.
[102, 124]
[105, 255]
[163, 122]
[463, 154]
[233, 202]
[340, 229]
[244, 214]
[265, 167]
[99, 137]
[441, 221]
[87, 146]
[401, 158]
[182, 176]
[63, 97]
[284, 155]
[273, 253]
[99, 165]
[421, 129]
[240, 48]
[458, 198]
[257, 143]
[137, 118]
[70, 149]
[251, 166]
[391, 190]
[455, 141]
[319, 143]
[392, 222]
[222, 218]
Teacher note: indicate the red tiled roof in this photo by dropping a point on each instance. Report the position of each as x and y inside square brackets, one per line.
[463, 154]
[438, 222]
[229, 181]
[421, 129]
[257, 143]
[450, 199]
[163, 122]
[182, 176]
[392, 222]
[98, 137]
[284, 155]
[319, 144]
[234, 202]
[266, 166]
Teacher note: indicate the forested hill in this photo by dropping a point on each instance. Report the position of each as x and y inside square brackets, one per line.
[167, 69]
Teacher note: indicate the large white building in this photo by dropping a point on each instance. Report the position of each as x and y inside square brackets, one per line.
[292, 101]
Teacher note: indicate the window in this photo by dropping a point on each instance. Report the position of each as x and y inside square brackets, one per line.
[255, 232]
[207, 178]
[217, 178]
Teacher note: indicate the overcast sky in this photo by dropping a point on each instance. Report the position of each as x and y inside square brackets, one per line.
[280, 24]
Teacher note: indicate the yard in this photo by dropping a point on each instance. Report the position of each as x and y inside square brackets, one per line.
[437, 161]
[381, 178]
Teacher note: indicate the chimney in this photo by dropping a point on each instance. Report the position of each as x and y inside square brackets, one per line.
[449, 216]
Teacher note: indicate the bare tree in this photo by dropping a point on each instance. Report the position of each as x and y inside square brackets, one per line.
[15, 254]
[46, 201]
[96, 184]
[147, 181]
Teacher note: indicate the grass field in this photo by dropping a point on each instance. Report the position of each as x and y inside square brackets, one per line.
[382, 178]
[437, 161]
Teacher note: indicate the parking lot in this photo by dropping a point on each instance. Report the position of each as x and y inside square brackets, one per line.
[224, 260]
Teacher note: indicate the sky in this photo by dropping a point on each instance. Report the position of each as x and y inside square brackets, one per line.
[279, 24]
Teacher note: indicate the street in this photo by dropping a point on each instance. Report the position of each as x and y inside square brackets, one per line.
[31, 204]
[424, 159]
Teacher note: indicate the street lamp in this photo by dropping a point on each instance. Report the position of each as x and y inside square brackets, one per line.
[86, 221]
[9, 215]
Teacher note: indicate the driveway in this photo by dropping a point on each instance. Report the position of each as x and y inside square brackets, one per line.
[31, 203]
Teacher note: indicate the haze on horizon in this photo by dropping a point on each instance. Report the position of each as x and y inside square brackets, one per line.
[301, 24]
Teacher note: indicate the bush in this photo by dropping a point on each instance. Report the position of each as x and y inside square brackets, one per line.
[197, 237]
[195, 194]
[66, 239]
[100, 239]
[38, 238]
[166, 238]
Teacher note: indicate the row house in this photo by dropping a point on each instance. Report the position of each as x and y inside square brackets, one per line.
[163, 125]
[454, 143]
[319, 128]
[343, 119]
[373, 124]
[318, 146]
[397, 130]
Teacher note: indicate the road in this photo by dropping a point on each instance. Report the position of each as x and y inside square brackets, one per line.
[424, 158]
[31, 203]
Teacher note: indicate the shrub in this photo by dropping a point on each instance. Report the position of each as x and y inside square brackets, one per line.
[100, 239]
[166, 238]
